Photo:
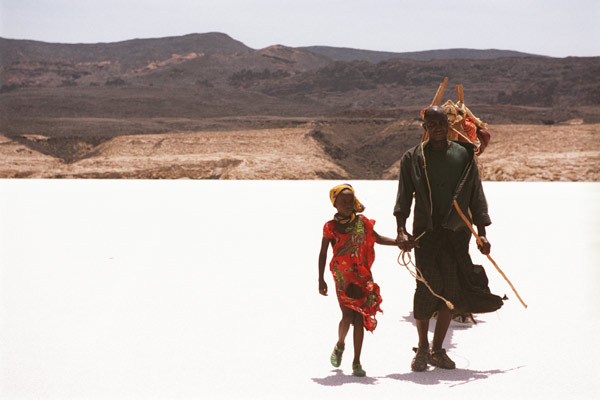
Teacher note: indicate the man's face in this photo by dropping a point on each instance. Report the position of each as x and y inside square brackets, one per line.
[437, 127]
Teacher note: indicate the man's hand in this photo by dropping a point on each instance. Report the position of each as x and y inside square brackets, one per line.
[323, 287]
[486, 247]
[405, 241]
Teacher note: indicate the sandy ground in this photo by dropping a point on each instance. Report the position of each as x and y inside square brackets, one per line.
[543, 153]
[516, 153]
[120, 289]
[569, 152]
[252, 154]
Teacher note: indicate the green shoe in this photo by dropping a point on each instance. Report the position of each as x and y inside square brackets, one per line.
[336, 356]
[357, 370]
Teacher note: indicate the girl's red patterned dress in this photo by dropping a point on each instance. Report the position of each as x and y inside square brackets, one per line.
[353, 255]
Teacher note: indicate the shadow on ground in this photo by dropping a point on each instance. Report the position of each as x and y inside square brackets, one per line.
[339, 379]
[435, 376]
[448, 342]
[452, 378]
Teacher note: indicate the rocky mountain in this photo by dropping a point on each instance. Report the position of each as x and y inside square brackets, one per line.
[539, 82]
[130, 53]
[206, 106]
[211, 75]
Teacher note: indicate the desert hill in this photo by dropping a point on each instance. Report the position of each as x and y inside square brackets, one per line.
[378, 80]
[130, 53]
[260, 148]
[133, 53]
[215, 66]
[348, 54]
[71, 102]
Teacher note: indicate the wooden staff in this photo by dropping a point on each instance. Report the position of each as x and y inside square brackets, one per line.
[437, 100]
[464, 218]
[459, 94]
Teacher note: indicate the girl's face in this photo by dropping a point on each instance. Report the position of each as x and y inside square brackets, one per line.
[344, 203]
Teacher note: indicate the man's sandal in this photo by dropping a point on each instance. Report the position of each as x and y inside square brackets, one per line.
[464, 318]
[357, 370]
[336, 356]
[419, 362]
[439, 358]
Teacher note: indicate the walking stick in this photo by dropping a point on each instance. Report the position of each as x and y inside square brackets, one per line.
[464, 218]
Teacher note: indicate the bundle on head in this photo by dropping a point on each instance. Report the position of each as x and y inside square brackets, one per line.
[463, 124]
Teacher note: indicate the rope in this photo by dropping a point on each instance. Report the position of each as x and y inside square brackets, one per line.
[464, 218]
[417, 273]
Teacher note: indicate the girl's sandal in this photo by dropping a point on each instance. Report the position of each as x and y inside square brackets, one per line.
[357, 370]
[336, 356]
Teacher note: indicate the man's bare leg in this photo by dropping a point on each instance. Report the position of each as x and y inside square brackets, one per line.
[423, 331]
[419, 362]
[438, 356]
[441, 327]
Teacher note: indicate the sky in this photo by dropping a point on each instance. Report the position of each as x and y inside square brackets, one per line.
[554, 28]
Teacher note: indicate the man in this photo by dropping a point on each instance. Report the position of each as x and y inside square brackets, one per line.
[436, 173]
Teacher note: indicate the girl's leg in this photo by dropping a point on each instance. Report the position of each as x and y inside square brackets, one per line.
[359, 333]
[347, 318]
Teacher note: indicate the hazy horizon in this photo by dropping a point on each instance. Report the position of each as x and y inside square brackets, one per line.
[274, 44]
[552, 28]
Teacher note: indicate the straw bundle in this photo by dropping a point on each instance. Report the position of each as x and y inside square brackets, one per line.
[463, 124]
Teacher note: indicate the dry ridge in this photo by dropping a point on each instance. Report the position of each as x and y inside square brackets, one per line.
[312, 149]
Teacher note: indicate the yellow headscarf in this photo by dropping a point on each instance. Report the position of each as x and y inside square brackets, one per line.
[358, 207]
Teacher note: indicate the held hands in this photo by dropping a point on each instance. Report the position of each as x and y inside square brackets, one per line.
[405, 241]
[485, 247]
[322, 287]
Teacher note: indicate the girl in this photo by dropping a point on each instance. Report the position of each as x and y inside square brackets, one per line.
[352, 237]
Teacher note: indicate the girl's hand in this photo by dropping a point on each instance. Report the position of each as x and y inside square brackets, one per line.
[323, 287]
